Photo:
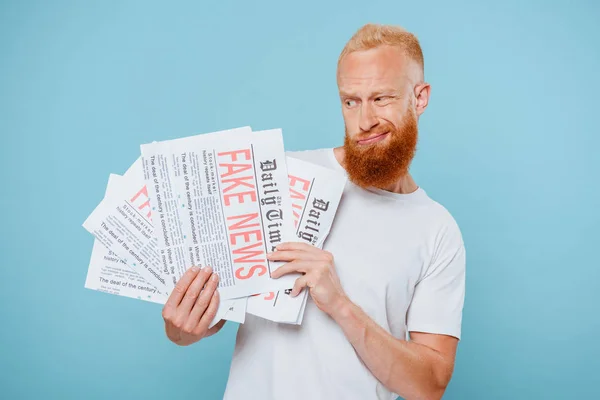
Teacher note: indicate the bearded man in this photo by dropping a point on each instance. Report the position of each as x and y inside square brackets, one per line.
[387, 290]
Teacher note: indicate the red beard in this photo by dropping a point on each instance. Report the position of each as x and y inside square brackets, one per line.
[382, 164]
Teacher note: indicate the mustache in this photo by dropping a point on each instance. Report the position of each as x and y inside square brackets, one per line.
[376, 131]
[381, 165]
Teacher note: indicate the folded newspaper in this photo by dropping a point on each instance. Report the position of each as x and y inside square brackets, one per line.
[223, 199]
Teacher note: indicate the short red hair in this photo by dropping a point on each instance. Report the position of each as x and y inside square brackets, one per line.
[371, 36]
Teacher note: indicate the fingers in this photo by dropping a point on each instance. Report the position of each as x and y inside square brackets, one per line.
[203, 300]
[295, 246]
[193, 291]
[209, 315]
[298, 285]
[179, 291]
[291, 267]
[291, 255]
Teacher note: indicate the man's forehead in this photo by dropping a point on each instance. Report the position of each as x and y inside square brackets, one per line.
[357, 85]
[372, 66]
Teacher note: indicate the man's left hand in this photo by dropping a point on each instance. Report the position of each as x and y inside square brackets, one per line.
[319, 274]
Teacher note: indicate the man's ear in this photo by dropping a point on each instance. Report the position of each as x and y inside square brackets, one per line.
[422, 93]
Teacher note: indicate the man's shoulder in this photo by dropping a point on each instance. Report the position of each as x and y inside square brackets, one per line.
[448, 228]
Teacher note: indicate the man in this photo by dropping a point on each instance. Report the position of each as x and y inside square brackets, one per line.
[387, 291]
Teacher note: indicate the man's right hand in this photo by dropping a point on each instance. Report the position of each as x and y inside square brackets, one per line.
[192, 306]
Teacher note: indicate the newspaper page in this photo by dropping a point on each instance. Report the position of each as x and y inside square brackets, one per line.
[232, 310]
[315, 192]
[108, 273]
[122, 223]
[221, 200]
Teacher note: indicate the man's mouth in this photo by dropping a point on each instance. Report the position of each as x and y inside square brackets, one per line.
[373, 139]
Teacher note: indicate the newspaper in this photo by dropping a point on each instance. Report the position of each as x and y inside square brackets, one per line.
[315, 193]
[221, 199]
[108, 273]
[122, 223]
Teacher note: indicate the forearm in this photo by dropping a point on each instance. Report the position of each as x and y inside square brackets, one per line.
[409, 369]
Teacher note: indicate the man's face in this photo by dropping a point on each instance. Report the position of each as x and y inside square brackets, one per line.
[379, 112]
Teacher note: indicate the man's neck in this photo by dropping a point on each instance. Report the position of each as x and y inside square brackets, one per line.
[404, 185]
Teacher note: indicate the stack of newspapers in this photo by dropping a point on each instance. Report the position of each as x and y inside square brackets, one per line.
[222, 199]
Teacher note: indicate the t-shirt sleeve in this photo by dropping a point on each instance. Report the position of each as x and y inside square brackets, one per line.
[438, 298]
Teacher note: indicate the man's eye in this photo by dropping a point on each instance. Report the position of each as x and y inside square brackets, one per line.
[350, 103]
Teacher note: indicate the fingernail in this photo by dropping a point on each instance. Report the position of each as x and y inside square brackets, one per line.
[194, 269]
[215, 277]
[207, 269]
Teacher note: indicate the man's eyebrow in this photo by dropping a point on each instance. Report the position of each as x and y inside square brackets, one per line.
[375, 93]
[347, 94]
[384, 90]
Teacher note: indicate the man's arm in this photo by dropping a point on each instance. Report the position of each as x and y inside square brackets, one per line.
[417, 369]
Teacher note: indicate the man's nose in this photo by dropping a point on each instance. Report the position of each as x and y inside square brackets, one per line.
[368, 120]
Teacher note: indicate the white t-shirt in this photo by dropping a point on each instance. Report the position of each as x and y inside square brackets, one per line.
[400, 257]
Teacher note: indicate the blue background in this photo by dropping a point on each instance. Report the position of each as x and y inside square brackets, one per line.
[509, 144]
